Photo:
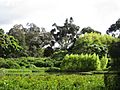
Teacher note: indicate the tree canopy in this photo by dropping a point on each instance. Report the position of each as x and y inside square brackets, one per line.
[9, 46]
[93, 43]
[88, 30]
[114, 29]
[65, 35]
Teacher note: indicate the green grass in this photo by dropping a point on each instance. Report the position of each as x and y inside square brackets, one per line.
[52, 82]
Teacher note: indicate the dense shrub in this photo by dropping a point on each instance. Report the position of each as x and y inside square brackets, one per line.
[36, 52]
[9, 46]
[52, 82]
[38, 62]
[12, 64]
[112, 81]
[48, 51]
[43, 64]
[6, 63]
[57, 63]
[3, 64]
[58, 57]
[53, 69]
[114, 51]
[104, 62]
[80, 62]
[25, 62]
[93, 43]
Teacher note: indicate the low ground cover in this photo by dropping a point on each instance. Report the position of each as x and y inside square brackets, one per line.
[52, 82]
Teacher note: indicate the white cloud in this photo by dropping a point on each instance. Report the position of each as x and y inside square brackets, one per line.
[99, 14]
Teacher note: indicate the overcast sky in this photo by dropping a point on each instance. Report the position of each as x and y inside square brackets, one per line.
[98, 14]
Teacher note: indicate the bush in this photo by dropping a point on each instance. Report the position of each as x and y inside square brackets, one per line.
[26, 62]
[12, 64]
[53, 69]
[3, 64]
[48, 51]
[9, 46]
[104, 62]
[39, 63]
[43, 62]
[59, 55]
[57, 63]
[114, 51]
[93, 43]
[81, 62]
[35, 62]
[112, 81]
[8, 63]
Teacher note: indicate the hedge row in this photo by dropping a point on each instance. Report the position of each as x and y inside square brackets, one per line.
[71, 62]
[25, 62]
[83, 62]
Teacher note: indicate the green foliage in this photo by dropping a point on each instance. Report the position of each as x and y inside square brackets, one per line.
[25, 62]
[18, 32]
[88, 30]
[58, 57]
[114, 51]
[104, 62]
[53, 69]
[1, 31]
[114, 29]
[37, 62]
[43, 63]
[80, 62]
[66, 34]
[48, 51]
[9, 46]
[32, 39]
[112, 81]
[8, 63]
[93, 43]
[52, 82]
[40, 52]
[36, 52]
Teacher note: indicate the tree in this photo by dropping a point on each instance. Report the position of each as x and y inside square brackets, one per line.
[39, 42]
[18, 31]
[89, 30]
[42, 39]
[65, 35]
[32, 38]
[93, 43]
[32, 31]
[1, 31]
[9, 46]
[114, 29]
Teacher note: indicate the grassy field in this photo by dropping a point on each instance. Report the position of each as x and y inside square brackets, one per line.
[51, 82]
